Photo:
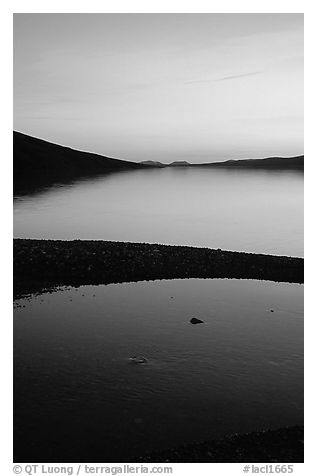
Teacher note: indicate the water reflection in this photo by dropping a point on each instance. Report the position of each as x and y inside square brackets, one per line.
[246, 210]
[78, 396]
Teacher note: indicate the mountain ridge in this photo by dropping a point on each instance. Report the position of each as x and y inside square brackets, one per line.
[294, 162]
[38, 163]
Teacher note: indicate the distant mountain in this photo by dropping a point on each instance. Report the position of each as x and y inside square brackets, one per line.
[37, 162]
[155, 163]
[152, 163]
[269, 162]
[179, 163]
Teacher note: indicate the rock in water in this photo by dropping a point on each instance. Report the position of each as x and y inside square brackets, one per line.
[194, 320]
[138, 359]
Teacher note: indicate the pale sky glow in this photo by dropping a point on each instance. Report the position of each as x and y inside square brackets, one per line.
[196, 87]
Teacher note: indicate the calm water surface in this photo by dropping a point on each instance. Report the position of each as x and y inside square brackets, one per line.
[78, 396]
[243, 210]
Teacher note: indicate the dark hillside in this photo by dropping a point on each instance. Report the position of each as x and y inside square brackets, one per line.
[38, 163]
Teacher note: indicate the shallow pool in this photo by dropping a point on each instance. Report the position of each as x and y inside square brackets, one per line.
[80, 397]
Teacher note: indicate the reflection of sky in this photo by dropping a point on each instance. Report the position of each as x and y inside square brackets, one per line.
[239, 371]
[164, 87]
[243, 210]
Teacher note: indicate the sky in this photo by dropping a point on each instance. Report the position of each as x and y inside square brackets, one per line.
[195, 87]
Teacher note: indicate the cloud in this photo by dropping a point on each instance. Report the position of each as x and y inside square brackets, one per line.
[224, 78]
[237, 76]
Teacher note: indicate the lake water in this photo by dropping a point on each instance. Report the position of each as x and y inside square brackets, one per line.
[79, 397]
[243, 210]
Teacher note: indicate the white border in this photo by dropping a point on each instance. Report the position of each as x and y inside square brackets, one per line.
[163, 6]
[156, 6]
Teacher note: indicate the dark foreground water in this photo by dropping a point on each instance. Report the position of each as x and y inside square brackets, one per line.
[241, 210]
[79, 397]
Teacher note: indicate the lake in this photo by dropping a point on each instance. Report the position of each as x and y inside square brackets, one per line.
[242, 210]
[79, 397]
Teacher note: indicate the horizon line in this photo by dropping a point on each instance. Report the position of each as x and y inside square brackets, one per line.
[157, 161]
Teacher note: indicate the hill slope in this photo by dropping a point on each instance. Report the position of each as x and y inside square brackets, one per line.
[37, 162]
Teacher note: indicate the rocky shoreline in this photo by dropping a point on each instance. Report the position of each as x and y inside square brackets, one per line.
[43, 264]
[281, 446]
[285, 445]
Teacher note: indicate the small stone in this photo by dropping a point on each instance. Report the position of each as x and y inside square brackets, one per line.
[138, 359]
[194, 320]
